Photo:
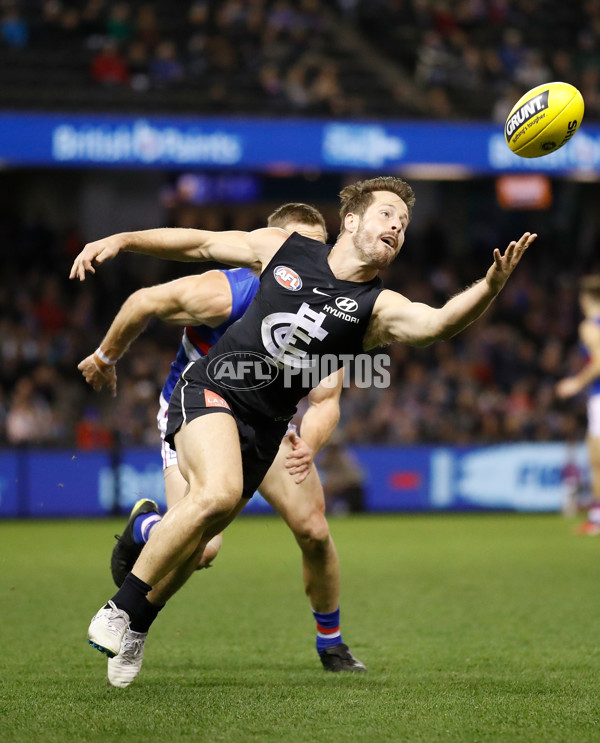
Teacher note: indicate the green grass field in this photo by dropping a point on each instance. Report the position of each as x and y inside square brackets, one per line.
[474, 628]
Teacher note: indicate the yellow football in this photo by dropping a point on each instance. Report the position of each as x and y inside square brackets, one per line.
[544, 119]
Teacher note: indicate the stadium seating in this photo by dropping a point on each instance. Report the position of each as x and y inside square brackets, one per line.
[354, 58]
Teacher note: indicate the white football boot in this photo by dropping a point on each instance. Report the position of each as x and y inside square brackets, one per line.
[107, 628]
[124, 667]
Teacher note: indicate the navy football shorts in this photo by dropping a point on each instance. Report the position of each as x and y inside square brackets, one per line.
[260, 437]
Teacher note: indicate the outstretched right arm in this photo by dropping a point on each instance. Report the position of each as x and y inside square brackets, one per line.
[192, 300]
[252, 249]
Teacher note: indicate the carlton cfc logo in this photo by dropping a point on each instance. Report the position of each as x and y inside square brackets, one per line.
[287, 278]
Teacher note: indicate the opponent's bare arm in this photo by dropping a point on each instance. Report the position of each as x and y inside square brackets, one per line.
[317, 426]
[589, 334]
[252, 249]
[192, 300]
[323, 413]
[395, 318]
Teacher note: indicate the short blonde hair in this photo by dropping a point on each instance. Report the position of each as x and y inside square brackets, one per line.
[297, 212]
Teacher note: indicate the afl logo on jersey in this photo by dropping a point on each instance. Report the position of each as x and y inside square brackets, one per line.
[287, 278]
[345, 304]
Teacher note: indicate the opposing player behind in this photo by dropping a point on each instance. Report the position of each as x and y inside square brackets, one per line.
[589, 376]
[208, 304]
[224, 452]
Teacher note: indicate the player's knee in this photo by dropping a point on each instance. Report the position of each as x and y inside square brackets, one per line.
[312, 532]
[210, 552]
[210, 504]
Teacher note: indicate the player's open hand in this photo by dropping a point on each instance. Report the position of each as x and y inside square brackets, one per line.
[94, 254]
[299, 458]
[505, 264]
[98, 374]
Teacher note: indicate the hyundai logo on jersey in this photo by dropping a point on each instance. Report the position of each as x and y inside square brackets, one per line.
[346, 305]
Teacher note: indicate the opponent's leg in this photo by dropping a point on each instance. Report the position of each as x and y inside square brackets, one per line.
[303, 509]
[143, 517]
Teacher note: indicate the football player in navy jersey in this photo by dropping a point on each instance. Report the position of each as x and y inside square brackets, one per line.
[314, 301]
[589, 376]
[207, 304]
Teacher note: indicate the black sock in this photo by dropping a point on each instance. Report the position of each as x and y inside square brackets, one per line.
[145, 617]
[131, 597]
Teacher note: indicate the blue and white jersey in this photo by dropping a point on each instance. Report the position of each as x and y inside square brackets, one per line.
[593, 387]
[197, 339]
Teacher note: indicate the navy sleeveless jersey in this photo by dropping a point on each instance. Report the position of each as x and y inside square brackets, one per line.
[300, 314]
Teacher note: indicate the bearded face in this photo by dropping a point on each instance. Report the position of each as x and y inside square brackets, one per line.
[378, 234]
[376, 246]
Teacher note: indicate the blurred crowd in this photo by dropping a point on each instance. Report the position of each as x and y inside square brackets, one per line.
[492, 383]
[342, 58]
[466, 58]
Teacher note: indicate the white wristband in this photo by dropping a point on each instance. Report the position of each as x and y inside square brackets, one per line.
[103, 357]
